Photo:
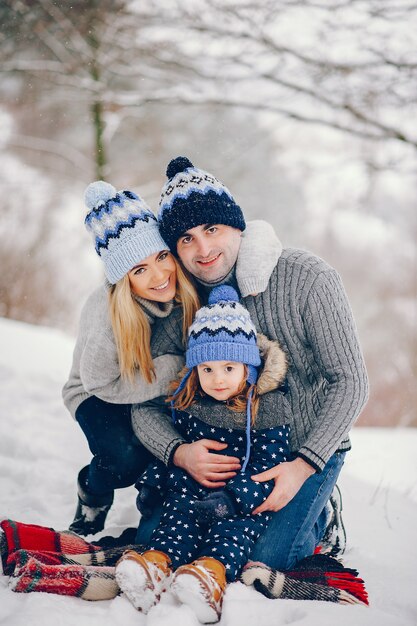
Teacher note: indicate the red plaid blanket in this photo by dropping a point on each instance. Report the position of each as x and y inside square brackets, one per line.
[41, 559]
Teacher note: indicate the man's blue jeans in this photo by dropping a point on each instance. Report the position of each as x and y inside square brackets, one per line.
[294, 532]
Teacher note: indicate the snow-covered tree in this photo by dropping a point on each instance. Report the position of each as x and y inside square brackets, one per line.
[306, 108]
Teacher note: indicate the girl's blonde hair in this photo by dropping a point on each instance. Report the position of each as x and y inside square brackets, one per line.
[192, 391]
[131, 327]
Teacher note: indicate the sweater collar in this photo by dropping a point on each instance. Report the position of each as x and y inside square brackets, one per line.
[153, 310]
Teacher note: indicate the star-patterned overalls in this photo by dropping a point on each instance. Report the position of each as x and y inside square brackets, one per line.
[230, 540]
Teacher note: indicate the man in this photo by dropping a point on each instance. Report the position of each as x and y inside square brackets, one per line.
[301, 304]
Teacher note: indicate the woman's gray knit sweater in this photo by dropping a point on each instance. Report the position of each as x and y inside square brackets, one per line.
[304, 308]
[95, 367]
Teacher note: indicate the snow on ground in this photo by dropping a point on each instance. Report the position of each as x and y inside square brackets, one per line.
[42, 449]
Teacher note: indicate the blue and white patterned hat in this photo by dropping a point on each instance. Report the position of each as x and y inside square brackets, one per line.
[223, 331]
[124, 229]
[193, 197]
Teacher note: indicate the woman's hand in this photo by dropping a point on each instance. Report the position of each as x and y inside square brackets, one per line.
[208, 469]
[289, 477]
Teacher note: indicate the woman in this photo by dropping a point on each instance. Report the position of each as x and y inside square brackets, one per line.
[112, 363]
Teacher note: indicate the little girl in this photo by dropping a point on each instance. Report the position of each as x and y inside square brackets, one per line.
[207, 535]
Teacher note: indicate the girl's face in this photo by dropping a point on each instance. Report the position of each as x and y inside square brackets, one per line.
[221, 379]
[155, 277]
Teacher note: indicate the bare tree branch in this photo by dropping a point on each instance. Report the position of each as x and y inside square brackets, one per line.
[55, 148]
[78, 42]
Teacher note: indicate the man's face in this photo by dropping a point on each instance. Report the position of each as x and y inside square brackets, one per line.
[209, 251]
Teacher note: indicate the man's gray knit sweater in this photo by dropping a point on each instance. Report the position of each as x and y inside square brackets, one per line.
[304, 308]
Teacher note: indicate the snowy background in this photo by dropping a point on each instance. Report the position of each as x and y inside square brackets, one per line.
[42, 449]
[306, 110]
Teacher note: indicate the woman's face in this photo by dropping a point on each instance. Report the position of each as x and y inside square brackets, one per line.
[155, 277]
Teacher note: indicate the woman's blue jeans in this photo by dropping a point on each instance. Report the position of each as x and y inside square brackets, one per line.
[295, 531]
[118, 456]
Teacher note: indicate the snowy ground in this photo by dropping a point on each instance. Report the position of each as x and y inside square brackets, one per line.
[41, 450]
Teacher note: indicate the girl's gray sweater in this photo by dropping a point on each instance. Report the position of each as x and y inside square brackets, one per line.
[305, 308]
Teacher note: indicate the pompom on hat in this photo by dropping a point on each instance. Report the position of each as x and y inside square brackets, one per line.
[124, 229]
[193, 197]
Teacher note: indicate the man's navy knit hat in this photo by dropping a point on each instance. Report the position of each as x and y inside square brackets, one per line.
[223, 331]
[193, 197]
[124, 229]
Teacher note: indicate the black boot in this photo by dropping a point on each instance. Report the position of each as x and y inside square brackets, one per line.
[92, 509]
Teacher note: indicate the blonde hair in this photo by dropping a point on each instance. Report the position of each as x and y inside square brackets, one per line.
[131, 327]
[192, 391]
[186, 295]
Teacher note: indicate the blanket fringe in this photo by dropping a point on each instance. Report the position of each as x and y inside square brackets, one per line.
[349, 583]
[319, 577]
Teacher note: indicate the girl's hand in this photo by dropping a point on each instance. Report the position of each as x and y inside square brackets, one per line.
[289, 477]
[208, 469]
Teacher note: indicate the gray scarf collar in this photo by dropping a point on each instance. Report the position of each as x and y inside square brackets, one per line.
[154, 310]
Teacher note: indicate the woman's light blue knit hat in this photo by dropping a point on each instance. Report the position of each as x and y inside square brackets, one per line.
[124, 229]
[222, 331]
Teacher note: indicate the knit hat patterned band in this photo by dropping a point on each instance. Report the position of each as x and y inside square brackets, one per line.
[124, 229]
[193, 197]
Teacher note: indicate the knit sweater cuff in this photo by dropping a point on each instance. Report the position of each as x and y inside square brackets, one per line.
[170, 450]
[73, 403]
[311, 458]
[253, 285]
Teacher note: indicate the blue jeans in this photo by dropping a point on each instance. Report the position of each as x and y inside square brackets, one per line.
[118, 456]
[147, 526]
[294, 532]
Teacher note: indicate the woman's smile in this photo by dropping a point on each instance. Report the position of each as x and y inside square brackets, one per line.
[163, 286]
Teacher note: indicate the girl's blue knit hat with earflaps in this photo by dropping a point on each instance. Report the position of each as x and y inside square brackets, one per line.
[224, 331]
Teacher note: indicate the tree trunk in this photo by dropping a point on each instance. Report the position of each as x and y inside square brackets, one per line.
[97, 111]
[99, 152]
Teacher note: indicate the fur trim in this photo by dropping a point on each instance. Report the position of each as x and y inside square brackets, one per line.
[274, 365]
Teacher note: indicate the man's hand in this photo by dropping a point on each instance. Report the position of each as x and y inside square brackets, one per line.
[210, 470]
[289, 478]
